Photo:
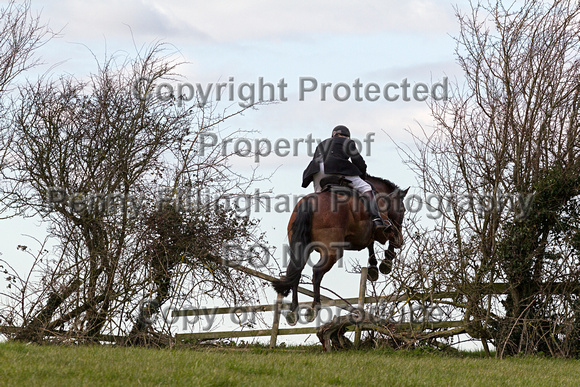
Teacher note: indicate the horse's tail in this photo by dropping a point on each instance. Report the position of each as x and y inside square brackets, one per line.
[299, 248]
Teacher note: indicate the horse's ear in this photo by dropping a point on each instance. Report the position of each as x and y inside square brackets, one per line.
[404, 193]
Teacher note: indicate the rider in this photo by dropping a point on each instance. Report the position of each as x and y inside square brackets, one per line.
[332, 158]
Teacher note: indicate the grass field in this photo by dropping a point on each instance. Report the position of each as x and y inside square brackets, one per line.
[22, 364]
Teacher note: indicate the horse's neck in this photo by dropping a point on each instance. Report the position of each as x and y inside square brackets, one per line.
[380, 186]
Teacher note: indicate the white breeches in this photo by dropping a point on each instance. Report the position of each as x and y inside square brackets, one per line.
[359, 184]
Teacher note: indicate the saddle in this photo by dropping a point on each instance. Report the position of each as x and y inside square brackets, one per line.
[339, 184]
[336, 183]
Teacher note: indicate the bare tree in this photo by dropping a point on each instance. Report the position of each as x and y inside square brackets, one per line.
[21, 34]
[109, 163]
[502, 169]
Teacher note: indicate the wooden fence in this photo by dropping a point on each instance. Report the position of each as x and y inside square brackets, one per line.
[347, 304]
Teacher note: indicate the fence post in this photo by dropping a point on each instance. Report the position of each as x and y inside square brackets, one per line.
[276, 322]
[361, 303]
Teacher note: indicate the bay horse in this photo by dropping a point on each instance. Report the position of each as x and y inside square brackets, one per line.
[336, 220]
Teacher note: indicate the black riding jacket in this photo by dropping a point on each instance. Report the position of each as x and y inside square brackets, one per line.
[335, 152]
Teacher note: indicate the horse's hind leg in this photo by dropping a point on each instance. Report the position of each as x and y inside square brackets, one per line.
[327, 260]
[294, 304]
[292, 316]
[373, 273]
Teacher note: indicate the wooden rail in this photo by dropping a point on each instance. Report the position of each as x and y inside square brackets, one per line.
[347, 304]
[305, 330]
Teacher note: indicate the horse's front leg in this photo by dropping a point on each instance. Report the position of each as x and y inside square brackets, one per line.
[387, 265]
[373, 273]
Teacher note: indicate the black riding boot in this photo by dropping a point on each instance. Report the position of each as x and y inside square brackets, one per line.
[373, 209]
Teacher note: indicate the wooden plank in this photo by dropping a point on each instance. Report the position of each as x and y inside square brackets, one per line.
[497, 288]
[344, 304]
[305, 330]
[430, 325]
[254, 333]
[269, 278]
[222, 310]
[266, 277]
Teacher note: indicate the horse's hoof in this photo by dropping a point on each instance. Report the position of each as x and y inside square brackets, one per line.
[373, 273]
[386, 266]
[291, 318]
[310, 314]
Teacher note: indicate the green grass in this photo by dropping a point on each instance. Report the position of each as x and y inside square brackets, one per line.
[22, 364]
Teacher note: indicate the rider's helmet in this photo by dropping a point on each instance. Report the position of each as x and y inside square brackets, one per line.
[341, 129]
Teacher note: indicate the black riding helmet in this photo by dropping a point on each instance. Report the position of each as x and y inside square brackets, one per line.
[341, 129]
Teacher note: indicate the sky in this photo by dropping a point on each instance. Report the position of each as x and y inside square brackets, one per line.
[339, 42]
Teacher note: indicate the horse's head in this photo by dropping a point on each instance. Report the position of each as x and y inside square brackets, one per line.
[391, 199]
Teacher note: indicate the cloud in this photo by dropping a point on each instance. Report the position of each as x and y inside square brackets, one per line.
[262, 19]
[149, 19]
[227, 21]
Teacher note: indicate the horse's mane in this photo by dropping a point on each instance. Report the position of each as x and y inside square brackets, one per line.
[391, 186]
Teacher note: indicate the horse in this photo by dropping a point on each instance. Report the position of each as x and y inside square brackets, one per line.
[335, 220]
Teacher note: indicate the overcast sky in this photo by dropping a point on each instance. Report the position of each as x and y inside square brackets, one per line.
[334, 42]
